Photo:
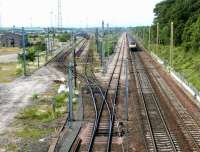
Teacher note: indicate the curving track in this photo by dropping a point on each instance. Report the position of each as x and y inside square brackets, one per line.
[104, 122]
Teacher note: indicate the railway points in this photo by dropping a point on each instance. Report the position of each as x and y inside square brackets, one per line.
[102, 88]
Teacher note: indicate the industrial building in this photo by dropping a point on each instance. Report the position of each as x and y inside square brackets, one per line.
[12, 39]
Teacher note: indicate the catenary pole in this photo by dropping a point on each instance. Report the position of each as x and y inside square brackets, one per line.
[157, 39]
[24, 50]
[171, 45]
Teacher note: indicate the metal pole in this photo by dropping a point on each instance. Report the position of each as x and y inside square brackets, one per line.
[74, 58]
[149, 37]
[81, 103]
[143, 34]
[24, 51]
[53, 37]
[97, 40]
[38, 57]
[70, 96]
[126, 97]
[157, 40]
[48, 41]
[103, 53]
[171, 45]
[46, 57]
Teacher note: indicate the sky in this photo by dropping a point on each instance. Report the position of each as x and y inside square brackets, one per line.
[76, 13]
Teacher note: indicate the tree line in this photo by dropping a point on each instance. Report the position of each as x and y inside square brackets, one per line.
[185, 14]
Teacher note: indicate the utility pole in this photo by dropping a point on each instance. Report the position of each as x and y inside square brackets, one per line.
[149, 38]
[24, 50]
[126, 103]
[143, 35]
[70, 96]
[51, 19]
[157, 40]
[59, 15]
[97, 39]
[53, 36]
[38, 58]
[74, 58]
[102, 47]
[46, 56]
[171, 45]
[48, 41]
[126, 96]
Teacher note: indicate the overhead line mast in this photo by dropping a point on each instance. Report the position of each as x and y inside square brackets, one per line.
[59, 15]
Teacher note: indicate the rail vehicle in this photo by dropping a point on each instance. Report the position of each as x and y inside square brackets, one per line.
[132, 45]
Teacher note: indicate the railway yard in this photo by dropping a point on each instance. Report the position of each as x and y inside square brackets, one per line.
[100, 76]
[131, 103]
[134, 106]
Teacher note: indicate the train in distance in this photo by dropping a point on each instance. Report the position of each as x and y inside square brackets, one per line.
[132, 45]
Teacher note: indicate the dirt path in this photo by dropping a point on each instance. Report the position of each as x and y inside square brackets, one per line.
[17, 94]
[8, 58]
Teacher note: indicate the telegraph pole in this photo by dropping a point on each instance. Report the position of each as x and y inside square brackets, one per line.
[74, 58]
[126, 96]
[157, 40]
[143, 35]
[38, 58]
[70, 96]
[97, 39]
[48, 41]
[53, 37]
[102, 47]
[171, 45]
[24, 50]
[46, 57]
[149, 38]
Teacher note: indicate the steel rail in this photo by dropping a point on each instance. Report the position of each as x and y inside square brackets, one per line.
[102, 106]
[114, 100]
[148, 114]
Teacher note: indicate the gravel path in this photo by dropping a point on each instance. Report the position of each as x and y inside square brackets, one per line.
[8, 58]
[16, 95]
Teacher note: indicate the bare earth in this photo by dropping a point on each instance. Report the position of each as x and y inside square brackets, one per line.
[8, 58]
[17, 94]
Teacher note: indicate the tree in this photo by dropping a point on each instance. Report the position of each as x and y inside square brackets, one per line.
[64, 37]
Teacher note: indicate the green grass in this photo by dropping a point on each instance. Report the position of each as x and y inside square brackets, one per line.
[43, 112]
[8, 72]
[38, 120]
[34, 133]
[185, 62]
[11, 147]
[109, 43]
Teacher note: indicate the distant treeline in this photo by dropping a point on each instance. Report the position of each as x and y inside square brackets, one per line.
[185, 14]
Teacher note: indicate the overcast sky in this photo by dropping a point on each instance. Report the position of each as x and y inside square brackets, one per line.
[77, 13]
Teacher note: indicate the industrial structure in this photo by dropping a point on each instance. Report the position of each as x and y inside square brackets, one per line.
[12, 39]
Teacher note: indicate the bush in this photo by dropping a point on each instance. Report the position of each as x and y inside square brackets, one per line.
[64, 37]
[19, 71]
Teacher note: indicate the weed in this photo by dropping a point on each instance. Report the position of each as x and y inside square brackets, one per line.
[34, 133]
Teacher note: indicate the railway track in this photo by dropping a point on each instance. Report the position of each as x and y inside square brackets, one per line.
[189, 126]
[157, 135]
[59, 61]
[103, 128]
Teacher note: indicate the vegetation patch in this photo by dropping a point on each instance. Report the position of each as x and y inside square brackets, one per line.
[8, 50]
[8, 72]
[35, 125]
